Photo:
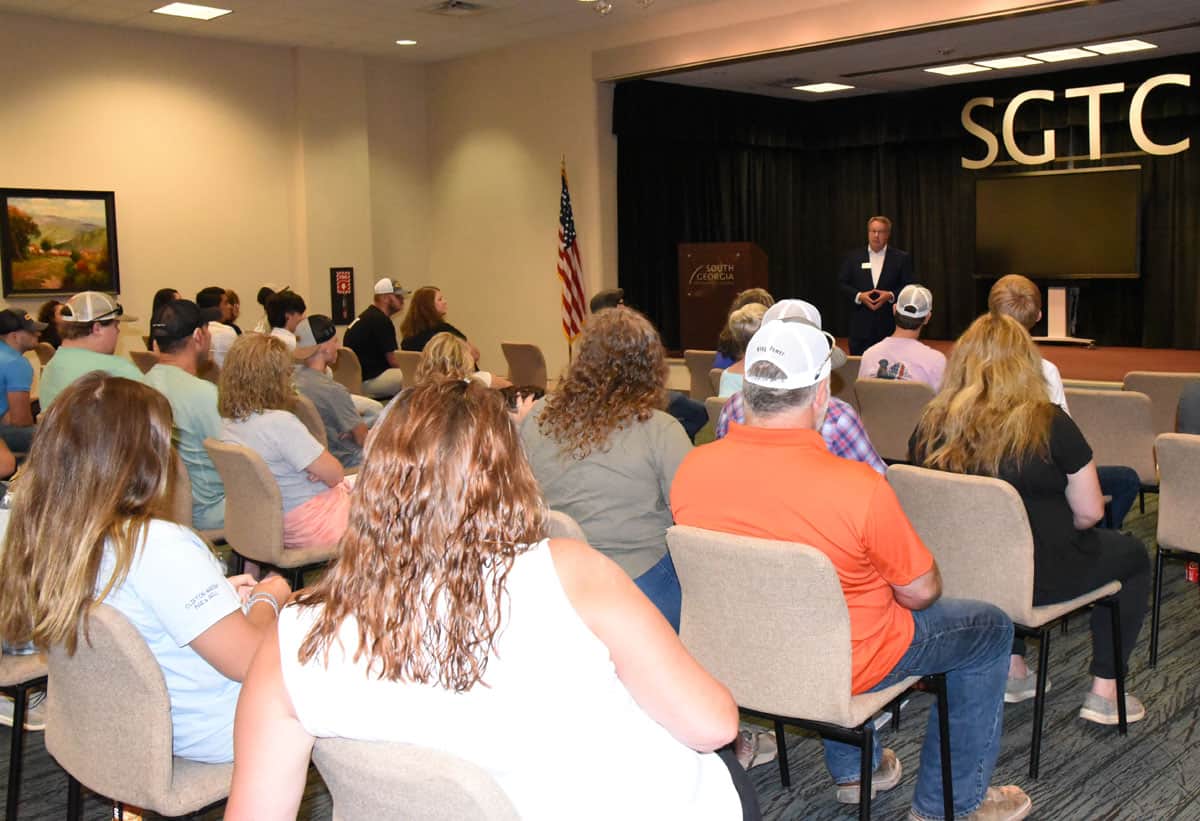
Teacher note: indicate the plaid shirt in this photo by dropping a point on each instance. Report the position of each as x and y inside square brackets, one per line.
[842, 430]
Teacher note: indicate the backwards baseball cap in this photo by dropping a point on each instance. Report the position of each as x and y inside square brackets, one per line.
[93, 306]
[389, 286]
[802, 352]
[179, 319]
[797, 310]
[915, 301]
[11, 321]
[310, 333]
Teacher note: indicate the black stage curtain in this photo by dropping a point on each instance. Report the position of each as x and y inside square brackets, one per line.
[801, 179]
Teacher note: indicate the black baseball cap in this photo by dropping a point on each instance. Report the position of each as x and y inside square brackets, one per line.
[179, 319]
[11, 321]
[313, 330]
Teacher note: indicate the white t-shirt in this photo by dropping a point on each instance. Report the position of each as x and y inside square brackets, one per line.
[287, 337]
[223, 338]
[175, 591]
[546, 662]
[286, 446]
[898, 357]
[1054, 385]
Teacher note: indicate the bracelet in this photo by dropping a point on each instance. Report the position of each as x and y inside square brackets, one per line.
[263, 597]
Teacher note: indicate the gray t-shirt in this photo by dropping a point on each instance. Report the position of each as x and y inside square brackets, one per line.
[620, 494]
[286, 446]
[337, 412]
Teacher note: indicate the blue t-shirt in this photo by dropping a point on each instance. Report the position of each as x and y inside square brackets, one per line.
[16, 374]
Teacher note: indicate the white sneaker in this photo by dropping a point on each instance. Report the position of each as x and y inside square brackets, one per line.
[35, 711]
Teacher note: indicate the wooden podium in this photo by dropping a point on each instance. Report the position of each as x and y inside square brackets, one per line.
[710, 275]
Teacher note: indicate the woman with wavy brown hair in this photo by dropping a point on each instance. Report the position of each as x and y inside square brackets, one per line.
[605, 453]
[993, 417]
[449, 621]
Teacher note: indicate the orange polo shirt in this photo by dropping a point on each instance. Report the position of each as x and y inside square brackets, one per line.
[785, 485]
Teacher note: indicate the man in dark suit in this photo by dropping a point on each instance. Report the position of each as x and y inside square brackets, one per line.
[872, 277]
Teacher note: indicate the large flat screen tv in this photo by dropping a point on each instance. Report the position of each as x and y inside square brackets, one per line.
[1080, 224]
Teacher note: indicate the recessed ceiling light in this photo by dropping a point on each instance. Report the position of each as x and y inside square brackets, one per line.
[1061, 55]
[822, 88]
[1120, 47]
[956, 69]
[1008, 62]
[192, 10]
[406, 42]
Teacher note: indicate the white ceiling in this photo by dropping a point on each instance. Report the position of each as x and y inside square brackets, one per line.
[895, 63]
[369, 27]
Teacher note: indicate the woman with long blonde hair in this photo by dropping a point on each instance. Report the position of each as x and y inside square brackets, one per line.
[450, 621]
[605, 453]
[993, 417]
[86, 528]
[256, 395]
[446, 356]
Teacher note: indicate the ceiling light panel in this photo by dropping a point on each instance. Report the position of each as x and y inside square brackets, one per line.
[1009, 62]
[822, 88]
[1121, 47]
[1061, 55]
[192, 11]
[957, 69]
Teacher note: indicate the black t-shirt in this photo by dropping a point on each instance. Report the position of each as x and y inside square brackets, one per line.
[372, 337]
[417, 342]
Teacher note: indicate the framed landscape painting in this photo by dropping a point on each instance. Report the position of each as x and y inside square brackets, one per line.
[57, 242]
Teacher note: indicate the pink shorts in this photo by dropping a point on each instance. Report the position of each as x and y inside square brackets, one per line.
[319, 521]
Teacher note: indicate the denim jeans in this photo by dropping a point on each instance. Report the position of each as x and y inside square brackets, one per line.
[661, 586]
[969, 641]
[1122, 484]
[690, 413]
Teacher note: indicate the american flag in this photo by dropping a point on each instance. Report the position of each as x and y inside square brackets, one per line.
[570, 268]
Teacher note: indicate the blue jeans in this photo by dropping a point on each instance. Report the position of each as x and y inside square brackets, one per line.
[661, 586]
[690, 413]
[970, 642]
[1122, 484]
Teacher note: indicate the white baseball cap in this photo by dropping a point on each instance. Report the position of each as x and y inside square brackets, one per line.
[797, 310]
[93, 306]
[802, 352]
[389, 286]
[915, 301]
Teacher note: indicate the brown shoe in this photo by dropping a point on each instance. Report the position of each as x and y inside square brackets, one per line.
[999, 804]
[886, 776]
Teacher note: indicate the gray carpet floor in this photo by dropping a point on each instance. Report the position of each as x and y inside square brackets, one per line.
[1087, 772]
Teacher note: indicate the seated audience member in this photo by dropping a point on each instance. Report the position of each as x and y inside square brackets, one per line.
[743, 323]
[727, 350]
[214, 299]
[235, 310]
[524, 627]
[316, 350]
[1187, 419]
[773, 478]
[83, 530]
[180, 333]
[254, 397]
[842, 430]
[48, 315]
[605, 454]
[18, 333]
[1018, 297]
[425, 319]
[284, 312]
[902, 355]
[264, 293]
[448, 357]
[991, 418]
[372, 337]
[161, 297]
[90, 327]
[607, 299]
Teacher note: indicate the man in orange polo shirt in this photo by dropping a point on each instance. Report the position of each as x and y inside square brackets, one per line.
[774, 478]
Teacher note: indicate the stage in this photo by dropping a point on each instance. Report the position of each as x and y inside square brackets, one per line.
[1101, 364]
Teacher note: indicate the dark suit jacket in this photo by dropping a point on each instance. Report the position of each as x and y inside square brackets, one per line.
[866, 326]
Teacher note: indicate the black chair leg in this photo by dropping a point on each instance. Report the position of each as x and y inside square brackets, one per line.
[943, 708]
[1142, 501]
[1156, 603]
[74, 800]
[1039, 702]
[868, 766]
[1114, 607]
[237, 562]
[785, 777]
[20, 702]
[895, 708]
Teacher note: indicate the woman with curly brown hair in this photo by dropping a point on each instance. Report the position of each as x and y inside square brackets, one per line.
[449, 621]
[256, 394]
[605, 453]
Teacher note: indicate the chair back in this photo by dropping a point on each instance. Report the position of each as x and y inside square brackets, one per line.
[253, 503]
[561, 526]
[841, 381]
[1119, 425]
[890, 410]
[789, 655]
[699, 363]
[145, 360]
[1164, 390]
[109, 716]
[44, 351]
[369, 780]
[1179, 491]
[713, 405]
[526, 364]
[408, 361]
[977, 529]
[714, 379]
[347, 370]
[307, 413]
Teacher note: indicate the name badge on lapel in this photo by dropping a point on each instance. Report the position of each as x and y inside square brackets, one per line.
[866, 266]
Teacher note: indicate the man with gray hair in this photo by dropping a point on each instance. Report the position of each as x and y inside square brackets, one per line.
[774, 478]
